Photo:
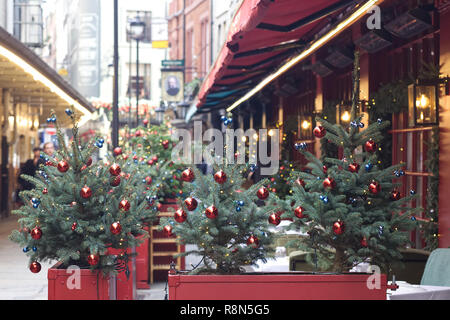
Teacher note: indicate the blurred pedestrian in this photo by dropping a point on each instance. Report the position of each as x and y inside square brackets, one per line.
[29, 168]
[49, 149]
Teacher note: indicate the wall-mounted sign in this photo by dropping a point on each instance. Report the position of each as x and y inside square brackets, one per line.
[172, 85]
[173, 63]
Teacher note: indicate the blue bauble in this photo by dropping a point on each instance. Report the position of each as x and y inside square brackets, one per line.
[34, 249]
[223, 118]
[361, 125]
[69, 112]
[35, 201]
[369, 167]
[412, 192]
[354, 124]
[241, 203]
[35, 205]
[413, 218]
[325, 200]
[238, 209]
[101, 140]
[380, 121]
[26, 249]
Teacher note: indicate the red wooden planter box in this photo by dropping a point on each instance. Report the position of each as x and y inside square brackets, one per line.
[275, 286]
[126, 287]
[91, 285]
[143, 264]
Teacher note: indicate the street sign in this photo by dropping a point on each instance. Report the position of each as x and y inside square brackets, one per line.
[161, 44]
[173, 63]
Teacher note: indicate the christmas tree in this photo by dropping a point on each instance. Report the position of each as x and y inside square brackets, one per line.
[79, 209]
[153, 144]
[223, 220]
[350, 208]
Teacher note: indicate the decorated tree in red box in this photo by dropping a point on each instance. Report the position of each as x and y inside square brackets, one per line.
[223, 220]
[350, 207]
[80, 209]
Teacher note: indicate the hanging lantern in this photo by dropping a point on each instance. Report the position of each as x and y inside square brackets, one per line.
[344, 113]
[306, 126]
[423, 103]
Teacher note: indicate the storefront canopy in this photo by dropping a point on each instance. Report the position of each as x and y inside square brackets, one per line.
[263, 34]
[30, 80]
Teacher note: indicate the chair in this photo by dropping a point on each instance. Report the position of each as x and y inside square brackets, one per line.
[437, 269]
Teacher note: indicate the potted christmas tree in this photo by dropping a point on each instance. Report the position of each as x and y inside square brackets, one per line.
[150, 148]
[229, 229]
[82, 214]
[349, 207]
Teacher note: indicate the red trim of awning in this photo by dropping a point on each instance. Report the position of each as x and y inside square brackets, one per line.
[245, 36]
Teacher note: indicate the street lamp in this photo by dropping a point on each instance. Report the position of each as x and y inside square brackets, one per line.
[160, 111]
[306, 124]
[182, 108]
[344, 113]
[137, 32]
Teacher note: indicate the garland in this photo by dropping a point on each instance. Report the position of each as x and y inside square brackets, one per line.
[430, 229]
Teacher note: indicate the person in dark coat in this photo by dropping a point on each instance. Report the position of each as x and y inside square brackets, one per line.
[29, 168]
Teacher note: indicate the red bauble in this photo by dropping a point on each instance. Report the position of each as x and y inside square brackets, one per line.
[155, 159]
[329, 183]
[325, 169]
[364, 242]
[149, 180]
[115, 181]
[354, 167]
[188, 175]
[274, 219]
[45, 191]
[180, 216]
[370, 146]
[253, 241]
[93, 259]
[191, 204]
[115, 169]
[145, 122]
[212, 212]
[118, 151]
[86, 192]
[150, 162]
[320, 132]
[36, 233]
[115, 228]
[263, 193]
[395, 195]
[299, 212]
[138, 133]
[165, 144]
[168, 230]
[338, 228]
[63, 166]
[125, 157]
[35, 267]
[89, 162]
[124, 205]
[374, 187]
[74, 226]
[220, 177]
[300, 182]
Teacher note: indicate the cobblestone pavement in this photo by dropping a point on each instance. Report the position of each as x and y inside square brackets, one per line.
[18, 283]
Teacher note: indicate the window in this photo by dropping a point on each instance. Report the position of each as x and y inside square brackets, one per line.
[204, 48]
[144, 81]
[146, 17]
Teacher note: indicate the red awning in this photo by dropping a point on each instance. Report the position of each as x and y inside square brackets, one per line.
[262, 35]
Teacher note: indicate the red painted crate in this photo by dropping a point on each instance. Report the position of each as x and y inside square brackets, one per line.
[276, 286]
[91, 285]
[143, 265]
